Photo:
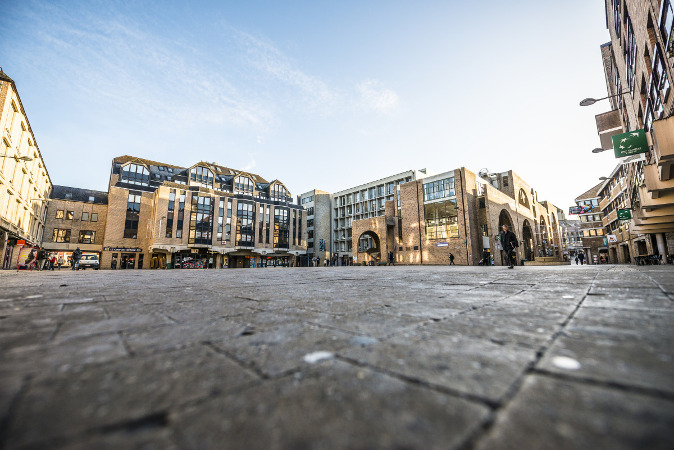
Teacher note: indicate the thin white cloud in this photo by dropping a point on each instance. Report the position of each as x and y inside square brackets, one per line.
[374, 96]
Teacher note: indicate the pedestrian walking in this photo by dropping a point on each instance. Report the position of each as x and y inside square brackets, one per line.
[509, 243]
[52, 262]
[390, 258]
[77, 254]
[451, 259]
[41, 258]
[581, 258]
[59, 261]
[576, 259]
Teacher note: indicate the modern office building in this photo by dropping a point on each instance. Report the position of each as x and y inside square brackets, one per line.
[461, 213]
[318, 206]
[639, 69]
[362, 202]
[75, 218]
[25, 185]
[202, 216]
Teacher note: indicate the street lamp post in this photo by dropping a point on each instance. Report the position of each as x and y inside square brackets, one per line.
[592, 101]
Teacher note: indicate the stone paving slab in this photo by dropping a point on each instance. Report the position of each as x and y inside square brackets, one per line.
[345, 357]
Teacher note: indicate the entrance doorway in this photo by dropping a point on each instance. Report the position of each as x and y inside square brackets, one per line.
[158, 261]
[528, 241]
[128, 261]
[626, 253]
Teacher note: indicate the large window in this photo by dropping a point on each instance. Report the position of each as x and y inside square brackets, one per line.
[439, 189]
[61, 235]
[294, 227]
[228, 225]
[245, 223]
[267, 220]
[201, 220]
[135, 174]
[260, 219]
[87, 237]
[616, 17]
[243, 185]
[442, 220]
[132, 214]
[221, 216]
[278, 192]
[181, 215]
[170, 212]
[281, 228]
[202, 175]
[630, 53]
[299, 228]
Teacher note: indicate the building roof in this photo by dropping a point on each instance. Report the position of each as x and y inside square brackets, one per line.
[590, 193]
[216, 168]
[4, 77]
[79, 195]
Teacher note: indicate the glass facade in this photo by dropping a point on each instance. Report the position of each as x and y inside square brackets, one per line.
[135, 174]
[202, 175]
[132, 214]
[243, 185]
[281, 226]
[201, 220]
[181, 215]
[439, 189]
[245, 223]
[442, 220]
[169, 214]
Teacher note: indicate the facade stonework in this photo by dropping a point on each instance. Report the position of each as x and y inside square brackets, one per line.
[461, 213]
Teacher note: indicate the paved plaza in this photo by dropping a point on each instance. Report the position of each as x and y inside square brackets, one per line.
[344, 357]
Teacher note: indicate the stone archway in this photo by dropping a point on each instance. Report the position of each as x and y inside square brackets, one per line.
[528, 241]
[504, 219]
[369, 243]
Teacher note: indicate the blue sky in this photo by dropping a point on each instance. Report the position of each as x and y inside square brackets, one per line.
[319, 94]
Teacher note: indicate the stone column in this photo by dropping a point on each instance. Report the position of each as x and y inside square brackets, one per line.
[662, 245]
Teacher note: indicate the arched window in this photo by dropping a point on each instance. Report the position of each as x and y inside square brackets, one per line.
[135, 174]
[243, 185]
[278, 192]
[202, 175]
[523, 199]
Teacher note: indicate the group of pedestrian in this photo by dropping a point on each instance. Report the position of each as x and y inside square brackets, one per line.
[40, 259]
[580, 257]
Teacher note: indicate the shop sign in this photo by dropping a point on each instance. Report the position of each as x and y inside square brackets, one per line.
[632, 143]
[123, 249]
[624, 214]
[442, 244]
[20, 242]
[604, 240]
[612, 238]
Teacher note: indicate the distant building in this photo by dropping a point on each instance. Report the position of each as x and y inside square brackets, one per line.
[75, 218]
[25, 185]
[318, 206]
[461, 213]
[360, 202]
[203, 216]
[591, 225]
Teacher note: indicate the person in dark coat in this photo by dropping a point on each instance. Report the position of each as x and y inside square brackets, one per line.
[509, 243]
[451, 259]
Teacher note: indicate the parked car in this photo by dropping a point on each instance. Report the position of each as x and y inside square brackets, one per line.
[89, 261]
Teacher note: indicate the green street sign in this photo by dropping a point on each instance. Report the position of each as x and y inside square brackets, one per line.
[624, 214]
[631, 143]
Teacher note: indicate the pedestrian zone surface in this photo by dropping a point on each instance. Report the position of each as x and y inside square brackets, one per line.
[343, 357]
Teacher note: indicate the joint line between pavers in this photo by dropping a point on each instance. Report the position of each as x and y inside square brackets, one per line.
[419, 382]
[480, 433]
[243, 364]
[629, 388]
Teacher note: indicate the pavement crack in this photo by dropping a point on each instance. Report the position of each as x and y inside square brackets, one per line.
[6, 420]
[158, 419]
[241, 363]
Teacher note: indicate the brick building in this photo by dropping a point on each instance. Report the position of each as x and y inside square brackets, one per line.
[461, 213]
[639, 69]
[202, 216]
[75, 218]
[318, 204]
[24, 181]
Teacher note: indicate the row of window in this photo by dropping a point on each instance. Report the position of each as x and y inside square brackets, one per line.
[69, 215]
[439, 189]
[63, 235]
